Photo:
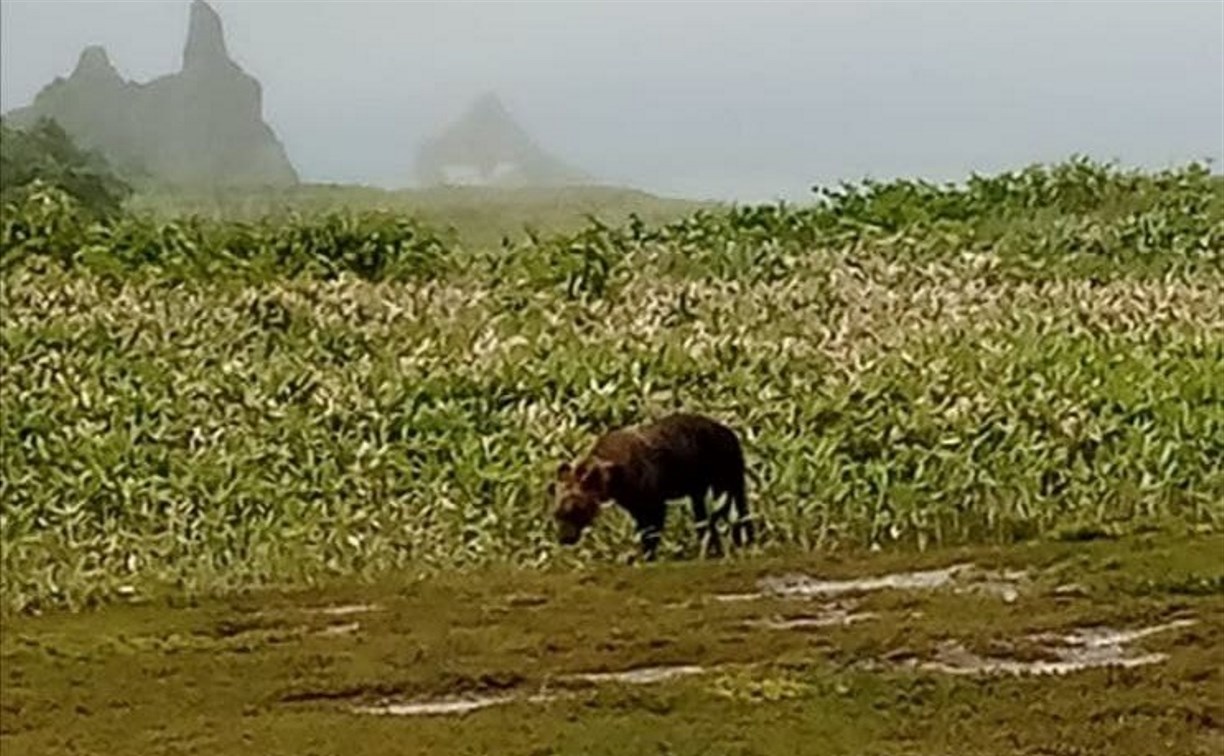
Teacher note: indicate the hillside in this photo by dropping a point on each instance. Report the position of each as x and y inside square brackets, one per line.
[485, 146]
[200, 126]
[480, 216]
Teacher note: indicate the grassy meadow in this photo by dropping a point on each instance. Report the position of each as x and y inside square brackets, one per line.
[214, 403]
[270, 459]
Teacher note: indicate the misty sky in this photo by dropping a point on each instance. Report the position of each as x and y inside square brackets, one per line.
[726, 100]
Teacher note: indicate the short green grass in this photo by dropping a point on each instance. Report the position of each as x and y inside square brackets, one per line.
[250, 674]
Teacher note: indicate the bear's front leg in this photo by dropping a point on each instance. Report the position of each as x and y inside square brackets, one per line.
[650, 530]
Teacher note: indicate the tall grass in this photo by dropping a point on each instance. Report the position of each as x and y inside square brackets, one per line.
[215, 403]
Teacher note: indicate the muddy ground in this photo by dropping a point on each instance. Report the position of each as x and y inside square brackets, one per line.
[1105, 647]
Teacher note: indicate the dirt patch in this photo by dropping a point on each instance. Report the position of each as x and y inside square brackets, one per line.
[343, 610]
[961, 578]
[1004, 584]
[806, 586]
[463, 704]
[1082, 649]
[828, 615]
[639, 676]
[450, 705]
[522, 600]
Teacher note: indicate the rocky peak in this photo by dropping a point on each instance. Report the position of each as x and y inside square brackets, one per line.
[489, 122]
[201, 126]
[486, 146]
[488, 106]
[205, 39]
[95, 65]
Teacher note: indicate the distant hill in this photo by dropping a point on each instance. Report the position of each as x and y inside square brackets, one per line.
[486, 147]
[481, 216]
[202, 126]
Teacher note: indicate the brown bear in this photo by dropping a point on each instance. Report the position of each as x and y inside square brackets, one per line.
[642, 468]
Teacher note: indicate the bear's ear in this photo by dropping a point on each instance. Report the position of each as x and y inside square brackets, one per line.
[614, 476]
[564, 469]
[601, 477]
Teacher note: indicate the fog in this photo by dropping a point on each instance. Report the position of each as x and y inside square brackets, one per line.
[746, 101]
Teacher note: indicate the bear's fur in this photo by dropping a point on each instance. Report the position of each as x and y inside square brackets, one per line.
[642, 468]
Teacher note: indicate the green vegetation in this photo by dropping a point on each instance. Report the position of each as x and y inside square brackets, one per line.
[43, 155]
[216, 424]
[472, 216]
[268, 673]
[213, 403]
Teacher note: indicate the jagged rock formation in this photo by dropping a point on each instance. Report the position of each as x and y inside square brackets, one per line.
[202, 126]
[485, 147]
